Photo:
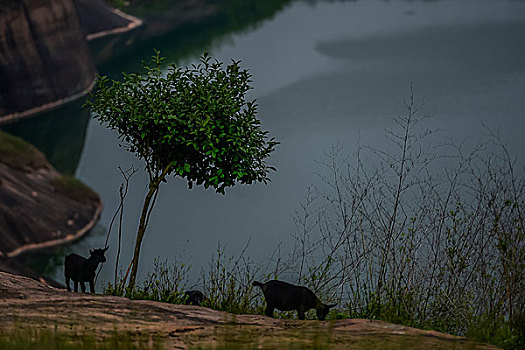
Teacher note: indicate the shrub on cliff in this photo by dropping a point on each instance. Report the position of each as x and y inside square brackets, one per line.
[190, 122]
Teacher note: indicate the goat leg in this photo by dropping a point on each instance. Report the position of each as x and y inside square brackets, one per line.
[269, 311]
[300, 314]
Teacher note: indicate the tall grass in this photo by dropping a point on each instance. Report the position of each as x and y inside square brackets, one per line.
[226, 283]
[165, 283]
[425, 233]
[21, 338]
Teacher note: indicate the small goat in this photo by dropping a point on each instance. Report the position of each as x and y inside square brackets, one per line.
[194, 297]
[82, 270]
[287, 297]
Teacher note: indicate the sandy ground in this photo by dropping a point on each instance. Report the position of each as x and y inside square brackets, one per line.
[29, 303]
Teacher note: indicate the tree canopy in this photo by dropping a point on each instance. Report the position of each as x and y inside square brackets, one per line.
[192, 122]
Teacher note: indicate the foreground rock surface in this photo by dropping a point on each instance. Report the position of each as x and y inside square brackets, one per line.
[29, 303]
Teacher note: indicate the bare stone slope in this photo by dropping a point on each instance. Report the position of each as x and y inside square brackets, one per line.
[26, 302]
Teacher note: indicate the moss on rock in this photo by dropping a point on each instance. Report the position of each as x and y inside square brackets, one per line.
[74, 189]
[19, 154]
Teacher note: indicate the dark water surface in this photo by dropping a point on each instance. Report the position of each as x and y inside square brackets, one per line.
[333, 72]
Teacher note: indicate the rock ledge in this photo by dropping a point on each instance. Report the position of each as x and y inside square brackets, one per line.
[29, 303]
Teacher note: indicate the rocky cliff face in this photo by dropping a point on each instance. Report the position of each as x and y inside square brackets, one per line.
[38, 206]
[44, 58]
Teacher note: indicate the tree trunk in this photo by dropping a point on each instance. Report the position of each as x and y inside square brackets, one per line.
[148, 204]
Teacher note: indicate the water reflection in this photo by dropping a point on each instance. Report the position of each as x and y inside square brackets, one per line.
[59, 134]
[335, 71]
[177, 42]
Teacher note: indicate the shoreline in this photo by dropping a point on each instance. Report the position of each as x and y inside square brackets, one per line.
[133, 23]
[14, 117]
[56, 242]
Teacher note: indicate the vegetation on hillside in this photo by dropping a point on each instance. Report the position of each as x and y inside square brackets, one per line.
[30, 338]
[424, 234]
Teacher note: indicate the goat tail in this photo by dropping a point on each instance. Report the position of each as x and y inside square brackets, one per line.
[257, 284]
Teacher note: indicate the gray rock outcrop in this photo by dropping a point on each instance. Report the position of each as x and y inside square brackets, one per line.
[44, 58]
[39, 207]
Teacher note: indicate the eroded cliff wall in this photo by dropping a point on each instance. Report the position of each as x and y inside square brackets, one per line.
[44, 58]
[39, 207]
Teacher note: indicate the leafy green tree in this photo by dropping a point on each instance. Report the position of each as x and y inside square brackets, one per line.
[193, 122]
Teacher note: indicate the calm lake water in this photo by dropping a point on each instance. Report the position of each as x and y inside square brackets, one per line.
[324, 73]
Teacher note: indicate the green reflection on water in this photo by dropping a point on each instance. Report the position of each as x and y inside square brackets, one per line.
[177, 41]
[59, 134]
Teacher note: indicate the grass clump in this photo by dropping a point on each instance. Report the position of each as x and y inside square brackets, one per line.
[226, 284]
[19, 154]
[45, 339]
[231, 337]
[166, 283]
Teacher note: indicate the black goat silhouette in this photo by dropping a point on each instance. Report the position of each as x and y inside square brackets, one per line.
[288, 297]
[82, 270]
[194, 297]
